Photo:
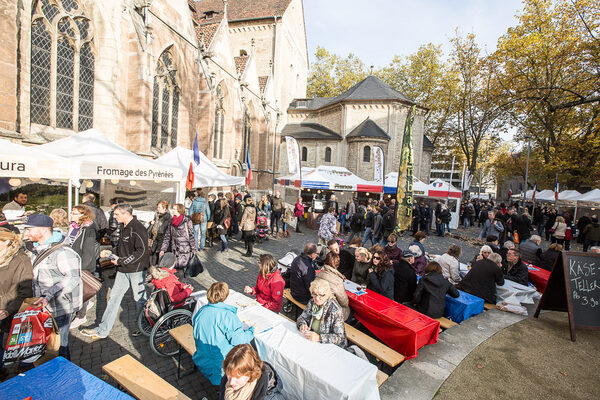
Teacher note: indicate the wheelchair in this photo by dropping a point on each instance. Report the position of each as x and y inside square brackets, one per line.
[159, 316]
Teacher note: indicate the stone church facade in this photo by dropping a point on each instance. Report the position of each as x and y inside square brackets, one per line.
[150, 74]
[342, 130]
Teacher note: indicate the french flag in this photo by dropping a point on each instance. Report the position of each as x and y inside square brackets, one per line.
[249, 174]
[556, 188]
[534, 190]
[510, 191]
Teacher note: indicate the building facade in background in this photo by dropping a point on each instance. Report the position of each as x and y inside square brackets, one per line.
[149, 74]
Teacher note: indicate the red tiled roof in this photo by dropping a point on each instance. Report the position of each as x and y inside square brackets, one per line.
[262, 82]
[241, 9]
[208, 30]
[240, 63]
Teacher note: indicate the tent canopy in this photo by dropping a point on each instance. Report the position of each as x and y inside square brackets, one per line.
[545, 195]
[592, 196]
[206, 174]
[568, 195]
[330, 178]
[420, 188]
[18, 161]
[99, 158]
[440, 188]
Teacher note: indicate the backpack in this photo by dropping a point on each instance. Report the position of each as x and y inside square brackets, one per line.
[389, 220]
[356, 221]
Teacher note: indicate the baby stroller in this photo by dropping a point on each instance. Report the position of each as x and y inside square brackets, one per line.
[262, 227]
[160, 315]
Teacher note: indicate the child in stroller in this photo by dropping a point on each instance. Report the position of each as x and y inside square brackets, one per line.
[262, 228]
[163, 277]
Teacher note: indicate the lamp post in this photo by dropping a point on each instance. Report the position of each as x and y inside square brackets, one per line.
[528, 137]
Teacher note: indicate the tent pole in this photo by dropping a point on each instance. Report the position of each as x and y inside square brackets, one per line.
[70, 196]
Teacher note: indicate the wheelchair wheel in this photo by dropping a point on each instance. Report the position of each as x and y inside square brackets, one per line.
[161, 342]
[144, 324]
[287, 307]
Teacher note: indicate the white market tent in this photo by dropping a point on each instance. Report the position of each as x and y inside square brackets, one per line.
[420, 188]
[206, 174]
[441, 189]
[592, 196]
[545, 195]
[568, 195]
[330, 178]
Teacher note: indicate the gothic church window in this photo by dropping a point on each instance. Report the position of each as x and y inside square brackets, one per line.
[219, 121]
[327, 154]
[62, 65]
[304, 154]
[165, 103]
[367, 154]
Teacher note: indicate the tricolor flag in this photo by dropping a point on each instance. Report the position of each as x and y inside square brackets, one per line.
[196, 151]
[534, 190]
[249, 174]
[556, 188]
[510, 191]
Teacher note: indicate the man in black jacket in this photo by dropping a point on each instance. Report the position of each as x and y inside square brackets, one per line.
[302, 273]
[514, 269]
[482, 278]
[132, 260]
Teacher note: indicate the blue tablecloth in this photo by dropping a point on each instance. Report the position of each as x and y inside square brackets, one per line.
[464, 306]
[59, 379]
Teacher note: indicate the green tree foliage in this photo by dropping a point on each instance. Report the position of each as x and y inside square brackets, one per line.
[332, 75]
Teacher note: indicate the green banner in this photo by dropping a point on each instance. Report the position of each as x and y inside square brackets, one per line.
[404, 194]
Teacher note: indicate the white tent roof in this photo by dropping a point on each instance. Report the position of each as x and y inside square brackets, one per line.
[20, 161]
[440, 188]
[545, 195]
[330, 178]
[568, 195]
[592, 195]
[100, 158]
[206, 174]
[420, 188]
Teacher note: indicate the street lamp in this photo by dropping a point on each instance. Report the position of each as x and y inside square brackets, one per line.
[528, 137]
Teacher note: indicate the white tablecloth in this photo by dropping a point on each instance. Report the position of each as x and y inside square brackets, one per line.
[308, 370]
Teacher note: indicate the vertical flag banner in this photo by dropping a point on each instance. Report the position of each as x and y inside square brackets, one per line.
[196, 151]
[463, 180]
[249, 173]
[189, 182]
[293, 153]
[556, 188]
[404, 193]
[534, 190]
[510, 191]
[379, 166]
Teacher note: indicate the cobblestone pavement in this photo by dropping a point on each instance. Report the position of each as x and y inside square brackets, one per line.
[230, 267]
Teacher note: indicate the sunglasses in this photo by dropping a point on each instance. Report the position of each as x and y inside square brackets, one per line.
[376, 258]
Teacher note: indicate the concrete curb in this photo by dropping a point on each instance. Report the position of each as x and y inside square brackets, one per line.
[421, 377]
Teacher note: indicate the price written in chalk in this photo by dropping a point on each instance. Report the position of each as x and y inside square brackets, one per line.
[586, 300]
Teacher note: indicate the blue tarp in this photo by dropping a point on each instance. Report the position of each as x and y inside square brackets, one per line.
[464, 306]
[59, 379]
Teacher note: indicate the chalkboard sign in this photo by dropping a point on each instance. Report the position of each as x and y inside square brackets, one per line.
[574, 287]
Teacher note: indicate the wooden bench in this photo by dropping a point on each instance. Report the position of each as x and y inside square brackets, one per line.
[445, 323]
[140, 382]
[489, 306]
[367, 343]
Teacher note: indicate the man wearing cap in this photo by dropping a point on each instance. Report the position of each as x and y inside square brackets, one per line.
[405, 278]
[56, 276]
[132, 260]
[200, 207]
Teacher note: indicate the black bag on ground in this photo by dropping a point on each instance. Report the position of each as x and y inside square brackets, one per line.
[194, 267]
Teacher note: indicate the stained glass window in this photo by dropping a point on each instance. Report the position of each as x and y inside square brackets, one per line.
[165, 103]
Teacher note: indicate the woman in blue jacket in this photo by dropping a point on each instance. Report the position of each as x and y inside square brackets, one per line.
[217, 330]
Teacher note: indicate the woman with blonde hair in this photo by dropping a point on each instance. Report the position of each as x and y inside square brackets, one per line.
[247, 377]
[361, 266]
[335, 278]
[61, 219]
[16, 274]
[559, 230]
[216, 330]
[322, 320]
[269, 284]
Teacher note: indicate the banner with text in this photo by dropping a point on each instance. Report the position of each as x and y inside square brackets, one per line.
[404, 193]
[379, 166]
[293, 154]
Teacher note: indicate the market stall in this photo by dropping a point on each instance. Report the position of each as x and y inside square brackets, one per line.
[420, 188]
[117, 169]
[448, 194]
[330, 178]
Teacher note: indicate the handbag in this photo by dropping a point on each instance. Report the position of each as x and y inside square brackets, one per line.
[194, 267]
[91, 285]
[198, 218]
[227, 222]
[568, 234]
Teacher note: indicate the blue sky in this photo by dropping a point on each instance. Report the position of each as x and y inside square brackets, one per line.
[376, 30]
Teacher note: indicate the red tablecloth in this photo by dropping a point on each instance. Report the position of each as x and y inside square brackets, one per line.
[402, 328]
[538, 276]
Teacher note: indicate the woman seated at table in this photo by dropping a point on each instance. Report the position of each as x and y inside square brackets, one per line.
[391, 249]
[430, 296]
[269, 284]
[217, 329]
[335, 279]
[405, 279]
[482, 278]
[247, 377]
[484, 253]
[381, 275]
[361, 266]
[420, 237]
[549, 256]
[450, 264]
[420, 260]
[322, 320]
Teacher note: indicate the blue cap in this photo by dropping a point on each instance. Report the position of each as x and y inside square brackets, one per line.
[39, 221]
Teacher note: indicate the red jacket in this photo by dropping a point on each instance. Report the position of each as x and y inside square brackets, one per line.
[176, 290]
[269, 291]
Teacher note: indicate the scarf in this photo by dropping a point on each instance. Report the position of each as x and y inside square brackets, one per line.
[177, 220]
[317, 314]
[243, 393]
